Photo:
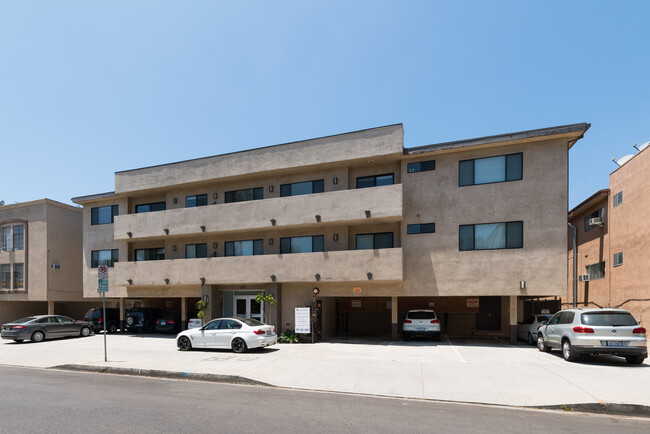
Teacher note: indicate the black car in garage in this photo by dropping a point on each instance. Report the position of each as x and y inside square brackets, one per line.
[96, 318]
[143, 319]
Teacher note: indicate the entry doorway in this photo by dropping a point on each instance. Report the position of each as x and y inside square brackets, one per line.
[245, 306]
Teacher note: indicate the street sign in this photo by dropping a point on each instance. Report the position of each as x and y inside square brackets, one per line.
[102, 275]
[103, 285]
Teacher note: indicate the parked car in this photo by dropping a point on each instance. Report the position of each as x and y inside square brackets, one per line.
[40, 327]
[170, 323]
[95, 317]
[421, 322]
[143, 319]
[527, 329]
[238, 334]
[594, 331]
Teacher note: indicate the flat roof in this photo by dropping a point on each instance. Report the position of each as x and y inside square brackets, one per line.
[520, 135]
[44, 201]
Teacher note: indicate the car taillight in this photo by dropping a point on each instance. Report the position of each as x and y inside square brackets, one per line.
[158, 321]
[639, 330]
[580, 329]
[18, 327]
[435, 321]
[100, 320]
[259, 332]
[171, 322]
[407, 321]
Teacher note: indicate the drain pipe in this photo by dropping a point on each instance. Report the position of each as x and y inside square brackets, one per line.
[575, 264]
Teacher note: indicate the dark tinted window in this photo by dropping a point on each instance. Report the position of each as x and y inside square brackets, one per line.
[196, 250]
[23, 320]
[299, 188]
[197, 200]
[244, 248]
[150, 207]
[488, 170]
[555, 318]
[614, 319]
[103, 214]
[529, 320]
[251, 322]
[301, 244]
[245, 194]
[421, 166]
[155, 254]
[566, 318]
[103, 257]
[421, 315]
[421, 228]
[542, 318]
[375, 181]
[229, 324]
[213, 325]
[382, 240]
[491, 236]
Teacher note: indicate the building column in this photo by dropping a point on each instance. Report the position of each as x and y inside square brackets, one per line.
[183, 313]
[393, 317]
[50, 307]
[513, 319]
[122, 328]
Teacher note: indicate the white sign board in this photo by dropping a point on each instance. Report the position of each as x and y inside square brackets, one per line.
[303, 320]
[194, 323]
[102, 277]
[472, 302]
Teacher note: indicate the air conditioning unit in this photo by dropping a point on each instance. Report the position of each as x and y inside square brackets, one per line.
[583, 278]
[55, 266]
[595, 221]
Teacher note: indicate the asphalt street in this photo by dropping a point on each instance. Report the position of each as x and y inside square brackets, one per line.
[48, 401]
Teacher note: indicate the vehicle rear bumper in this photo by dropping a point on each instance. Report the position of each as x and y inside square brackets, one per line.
[615, 351]
[267, 341]
[11, 334]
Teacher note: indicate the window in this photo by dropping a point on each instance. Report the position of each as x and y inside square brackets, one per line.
[489, 170]
[150, 207]
[103, 215]
[213, 325]
[618, 199]
[155, 254]
[301, 244]
[229, 324]
[19, 271]
[298, 188]
[245, 195]
[599, 213]
[196, 250]
[555, 318]
[618, 259]
[375, 241]
[5, 276]
[608, 319]
[491, 236]
[421, 228]
[19, 237]
[375, 181]
[5, 242]
[196, 200]
[596, 271]
[421, 166]
[244, 248]
[103, 257]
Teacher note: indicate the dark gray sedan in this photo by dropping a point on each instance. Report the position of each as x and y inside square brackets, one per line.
[40, 327]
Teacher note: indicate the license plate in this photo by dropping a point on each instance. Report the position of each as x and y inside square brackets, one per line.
[421, 329]
[614, 343]
[163, 322]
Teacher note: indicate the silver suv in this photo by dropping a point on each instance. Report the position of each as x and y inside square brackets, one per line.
[594, 331]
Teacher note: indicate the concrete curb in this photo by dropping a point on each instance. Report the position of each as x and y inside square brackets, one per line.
[606, 408]
[230, 379]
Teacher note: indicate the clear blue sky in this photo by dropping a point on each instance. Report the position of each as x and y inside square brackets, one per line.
[88, 88]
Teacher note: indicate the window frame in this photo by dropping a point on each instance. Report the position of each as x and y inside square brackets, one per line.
[258, 246]
[94, 214]
[374, 178]
[196, 245]
[600, 212]
[473, 169]
[617, 260]
[15, 284]
[617, 199]
[416, 228]
[18, 236]
[199, 200]
[314, 183]
[314, 238]
[94, 257]
[603, 270]
[150, 204]
[374, 240]
[6, 239]
[149, 251]
[5, 271]
[417, 166]
[255, 191]
[473, 226]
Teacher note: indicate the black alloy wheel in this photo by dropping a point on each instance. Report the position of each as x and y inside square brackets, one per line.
[184, 343]
[531, 341]
[239, 346]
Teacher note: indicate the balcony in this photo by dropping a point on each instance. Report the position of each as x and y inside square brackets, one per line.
[335, 207]
[335, 266]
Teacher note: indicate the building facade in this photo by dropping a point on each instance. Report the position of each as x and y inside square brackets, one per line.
[355, 225]
[40, 260]
[612, 252]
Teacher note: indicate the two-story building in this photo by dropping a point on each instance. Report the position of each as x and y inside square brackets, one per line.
[355, 224]
[40, 260]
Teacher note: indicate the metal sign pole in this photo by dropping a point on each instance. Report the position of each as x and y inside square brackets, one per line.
[102, 276]
[104, 317]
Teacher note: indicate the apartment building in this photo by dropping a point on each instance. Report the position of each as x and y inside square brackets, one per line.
[613, 241]
[355, 224]
[40, 260]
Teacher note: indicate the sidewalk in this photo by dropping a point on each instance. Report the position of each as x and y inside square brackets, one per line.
[477, 371]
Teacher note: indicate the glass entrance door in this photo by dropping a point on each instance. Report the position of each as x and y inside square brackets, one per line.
[245, 306]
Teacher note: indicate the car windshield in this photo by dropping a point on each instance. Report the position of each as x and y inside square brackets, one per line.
[541, 318]
[93, 313]
[614, 319]
[23, 320]
[421, 315]
[251, 322]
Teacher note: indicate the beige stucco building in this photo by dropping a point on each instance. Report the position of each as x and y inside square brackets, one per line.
[355, 223]
[612, 256]
[40, 260]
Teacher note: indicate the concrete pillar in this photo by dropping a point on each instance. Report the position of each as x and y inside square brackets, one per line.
[122, 328]
[50, 307]
[513, 319]
[183, 313]
[393, 317]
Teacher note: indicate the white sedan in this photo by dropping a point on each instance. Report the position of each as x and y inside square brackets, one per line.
[239, 334]
[527, 330]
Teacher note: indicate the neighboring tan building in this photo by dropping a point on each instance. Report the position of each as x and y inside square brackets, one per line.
[40, 260]
[356, 223]
[614, 253]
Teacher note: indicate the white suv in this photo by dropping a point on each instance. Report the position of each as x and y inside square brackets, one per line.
[421, 322]
[594, 331]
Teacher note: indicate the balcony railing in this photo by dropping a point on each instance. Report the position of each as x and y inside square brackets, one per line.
[334, 266]
[381, 204]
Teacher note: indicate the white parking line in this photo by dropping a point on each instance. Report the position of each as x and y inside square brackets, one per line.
[462, 359]
[385, 349]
